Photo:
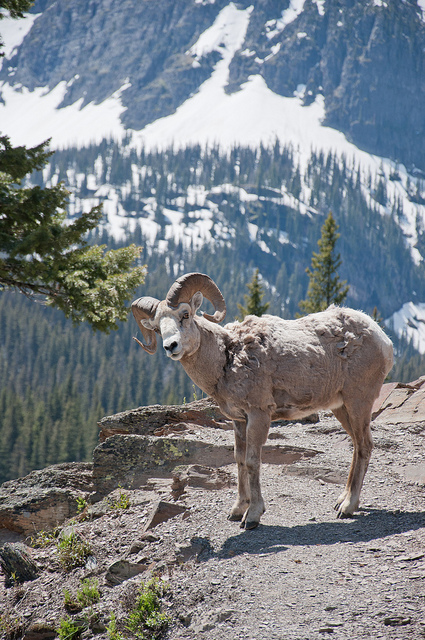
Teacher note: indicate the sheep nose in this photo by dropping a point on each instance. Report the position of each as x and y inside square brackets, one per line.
[170, 347]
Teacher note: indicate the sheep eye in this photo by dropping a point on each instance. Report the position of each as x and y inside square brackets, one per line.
[185, 316]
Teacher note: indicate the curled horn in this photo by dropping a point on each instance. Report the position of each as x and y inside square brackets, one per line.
[144, 309]
[184, 288]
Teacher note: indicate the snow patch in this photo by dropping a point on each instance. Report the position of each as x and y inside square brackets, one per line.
[421, 5]
[409, 323]
[253, 231]
[30, 117]
[226, 34]
[13, 33]
[320, 6]
[288, 16]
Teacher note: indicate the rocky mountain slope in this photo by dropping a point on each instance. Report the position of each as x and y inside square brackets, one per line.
[366, 59]
[301, 573]
[237, 75]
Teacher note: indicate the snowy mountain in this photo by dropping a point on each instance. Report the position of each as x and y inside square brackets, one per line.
[336, 77]
[409, 323]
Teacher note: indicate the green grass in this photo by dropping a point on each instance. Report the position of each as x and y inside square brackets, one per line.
[145, 621]
[112, 630]
[43, 539]
[73, 551]
[87, 595]
[68, 630]
[122, 502]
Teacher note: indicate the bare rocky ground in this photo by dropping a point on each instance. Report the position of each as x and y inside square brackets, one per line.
[301, 575]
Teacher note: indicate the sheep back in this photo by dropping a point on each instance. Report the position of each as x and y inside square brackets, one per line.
[305, 363]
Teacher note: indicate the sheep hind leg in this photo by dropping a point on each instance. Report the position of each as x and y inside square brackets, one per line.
[241, 505]
[357, 425]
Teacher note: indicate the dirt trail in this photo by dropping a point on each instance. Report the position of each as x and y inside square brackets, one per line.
[301, 575]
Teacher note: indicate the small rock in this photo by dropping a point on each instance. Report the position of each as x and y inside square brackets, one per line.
[122, 570]
[162, 512]
[149, 537]
[91, 563]
[200, 476]
[185, 618]
[99, 624]
[312, 418]
[203, 626]
[17, 563]
[98, 509]
[41, 630]
[397, 621]
[136, 546]
[412, 558]
[197, 546]
[224, 614]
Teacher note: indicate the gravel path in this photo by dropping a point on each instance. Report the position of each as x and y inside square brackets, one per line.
[301, 575]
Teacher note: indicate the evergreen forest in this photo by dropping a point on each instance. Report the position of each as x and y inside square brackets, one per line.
[261, 209]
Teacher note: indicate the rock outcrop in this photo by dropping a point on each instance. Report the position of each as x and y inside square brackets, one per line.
[175, 526]
[45, 498]
[152, 441]
[401, 403]
[160, 420]
[188, 445]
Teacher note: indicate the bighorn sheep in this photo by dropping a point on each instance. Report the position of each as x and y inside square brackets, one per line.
[267, 368]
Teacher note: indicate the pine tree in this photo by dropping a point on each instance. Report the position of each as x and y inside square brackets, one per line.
[44, 257]
[253, 299]
[325, 287]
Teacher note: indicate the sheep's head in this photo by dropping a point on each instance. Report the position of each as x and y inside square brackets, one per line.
[173, 318]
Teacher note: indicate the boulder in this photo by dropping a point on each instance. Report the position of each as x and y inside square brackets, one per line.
[199, 476]
[161, 512]
[130, 460]
[45, 498]
[17, 564]
[122, 570]
[159, 420]
[401, 403]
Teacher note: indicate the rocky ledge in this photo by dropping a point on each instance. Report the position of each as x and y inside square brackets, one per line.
[155, 500]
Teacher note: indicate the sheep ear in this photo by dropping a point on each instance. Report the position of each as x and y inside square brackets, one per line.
[196, 301]
[147, 323]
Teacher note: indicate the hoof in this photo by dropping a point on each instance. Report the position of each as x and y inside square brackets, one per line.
[234, 517]
[341, 515]
[251, 524]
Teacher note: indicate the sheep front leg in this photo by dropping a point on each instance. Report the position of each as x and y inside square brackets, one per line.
[242, 502]
[257, 432]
